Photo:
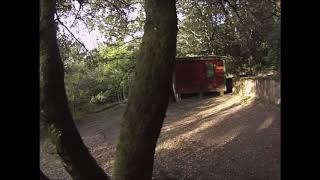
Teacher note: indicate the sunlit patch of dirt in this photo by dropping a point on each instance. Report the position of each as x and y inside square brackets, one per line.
[212, 138]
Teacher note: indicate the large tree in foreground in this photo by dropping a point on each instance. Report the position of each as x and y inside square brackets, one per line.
[42, 176]
[149, 95]
[75, 156]
[147, 104]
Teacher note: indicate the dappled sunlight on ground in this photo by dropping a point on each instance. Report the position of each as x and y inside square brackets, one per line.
[206, 110]
[266, 123]
[204, 121]
[214, 108]
[222, 137]
[225, 138]
[221, 141]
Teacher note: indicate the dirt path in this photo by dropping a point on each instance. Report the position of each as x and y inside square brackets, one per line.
[213, 138]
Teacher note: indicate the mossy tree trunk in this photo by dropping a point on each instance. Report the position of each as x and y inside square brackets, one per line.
[149, 94]
[75, 156]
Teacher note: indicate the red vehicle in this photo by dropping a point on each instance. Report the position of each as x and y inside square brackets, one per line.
[199, 75]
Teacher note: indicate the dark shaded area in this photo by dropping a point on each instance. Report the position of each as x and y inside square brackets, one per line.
[42, 176]
[229, 85]
[204, 95]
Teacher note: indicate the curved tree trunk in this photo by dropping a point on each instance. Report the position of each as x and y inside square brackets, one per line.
[149, 95]
[43, 177]
[74, 154]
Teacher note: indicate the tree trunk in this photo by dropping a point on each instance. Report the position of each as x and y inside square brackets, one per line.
[119, 96]
[176, 96]
[43, 177]
[74, 154]
[124, 93]
[149, 95]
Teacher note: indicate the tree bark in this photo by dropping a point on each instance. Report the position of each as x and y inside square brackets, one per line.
[75, 156]
[43, 177]
[149, 95]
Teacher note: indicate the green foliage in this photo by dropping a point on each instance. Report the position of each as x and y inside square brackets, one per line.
[246, 31]
[53, 133]
[101, 77]
[274, 55]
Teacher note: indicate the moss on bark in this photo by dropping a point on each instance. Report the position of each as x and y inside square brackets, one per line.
[149, 95]
[74, 154]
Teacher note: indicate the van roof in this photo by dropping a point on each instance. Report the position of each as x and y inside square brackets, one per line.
[200, 58]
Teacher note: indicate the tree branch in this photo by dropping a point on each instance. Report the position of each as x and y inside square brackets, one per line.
[235, 10]
[224, 10]
[80, 7]
[115, 6]
[72, 34]
[192, 32]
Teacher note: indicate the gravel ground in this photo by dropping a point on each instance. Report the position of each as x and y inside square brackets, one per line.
[219, 138]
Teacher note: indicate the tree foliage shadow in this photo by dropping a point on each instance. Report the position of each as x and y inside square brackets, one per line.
[254, 153]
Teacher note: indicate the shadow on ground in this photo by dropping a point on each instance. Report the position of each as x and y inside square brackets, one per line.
[236, 141]
[211, 138]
